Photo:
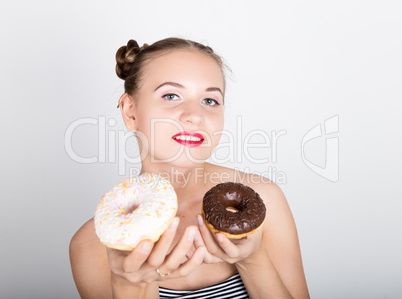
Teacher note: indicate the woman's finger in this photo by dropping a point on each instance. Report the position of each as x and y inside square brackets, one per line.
[116, 258]
[162, 247]
[209, 239]
[189, 266]
[175, 258]
[121, 261]
[208, 257]
[137, 257]
[230, 249]
[222, 247]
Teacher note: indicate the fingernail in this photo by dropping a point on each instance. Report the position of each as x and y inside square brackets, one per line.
[190, 234]
[197, 237]
[219, 237]
[146, 247]
[189, 254]
[201, 252]
[200, 220]
[174, 224]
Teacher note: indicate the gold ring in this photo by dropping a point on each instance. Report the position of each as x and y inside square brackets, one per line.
[160, 274]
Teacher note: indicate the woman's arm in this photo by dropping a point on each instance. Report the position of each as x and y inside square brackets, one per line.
[89, 264]
[279, 253]
[269, 261]
[260, 277]
[109, 273]
[92, 274]
[123, 289]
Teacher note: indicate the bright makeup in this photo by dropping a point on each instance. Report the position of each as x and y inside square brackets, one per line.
[189, 139]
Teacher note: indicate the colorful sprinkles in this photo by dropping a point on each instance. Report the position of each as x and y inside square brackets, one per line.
[139, 208]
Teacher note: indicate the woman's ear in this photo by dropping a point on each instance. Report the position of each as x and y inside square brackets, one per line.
[127, 108]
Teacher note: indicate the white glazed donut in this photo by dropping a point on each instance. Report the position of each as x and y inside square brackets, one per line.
[139, 208]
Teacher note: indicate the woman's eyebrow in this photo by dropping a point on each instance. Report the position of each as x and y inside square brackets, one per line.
[178, 85]
[174, 84]
[214, 89]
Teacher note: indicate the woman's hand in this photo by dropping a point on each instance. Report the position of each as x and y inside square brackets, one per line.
[141, 264]
[220, 248]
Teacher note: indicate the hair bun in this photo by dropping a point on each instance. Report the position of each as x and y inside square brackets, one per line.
[125, 56]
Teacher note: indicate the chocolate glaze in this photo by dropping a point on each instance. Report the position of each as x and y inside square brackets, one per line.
[251, 208]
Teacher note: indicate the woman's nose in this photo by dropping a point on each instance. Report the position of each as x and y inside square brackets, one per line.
[191, 114]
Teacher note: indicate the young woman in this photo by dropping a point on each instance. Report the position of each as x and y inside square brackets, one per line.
[176, 87]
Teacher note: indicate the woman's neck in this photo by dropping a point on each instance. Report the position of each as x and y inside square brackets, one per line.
[180, 177]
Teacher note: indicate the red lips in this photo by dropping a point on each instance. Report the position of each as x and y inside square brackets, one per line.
[190, 139]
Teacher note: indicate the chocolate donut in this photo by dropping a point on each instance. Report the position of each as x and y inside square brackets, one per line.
[233, 209]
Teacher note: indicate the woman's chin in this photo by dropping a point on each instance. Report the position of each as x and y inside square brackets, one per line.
[182, 161]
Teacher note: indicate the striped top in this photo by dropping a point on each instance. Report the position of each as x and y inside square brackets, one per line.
[233, 287]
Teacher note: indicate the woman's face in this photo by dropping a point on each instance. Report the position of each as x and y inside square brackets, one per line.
[179, 109]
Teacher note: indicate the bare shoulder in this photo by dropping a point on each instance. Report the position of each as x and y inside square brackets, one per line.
[279, 224]
[279, 219]
[216, 174]
[268, 190]
[89, 263]
[219, 174]
[280, 236]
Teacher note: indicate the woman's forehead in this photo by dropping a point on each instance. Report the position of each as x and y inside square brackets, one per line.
[184, 66]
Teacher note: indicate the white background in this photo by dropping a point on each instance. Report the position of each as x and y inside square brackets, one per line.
[294, 64]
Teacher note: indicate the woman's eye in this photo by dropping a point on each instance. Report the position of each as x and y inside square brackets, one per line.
[171, 97]
[211, 102]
